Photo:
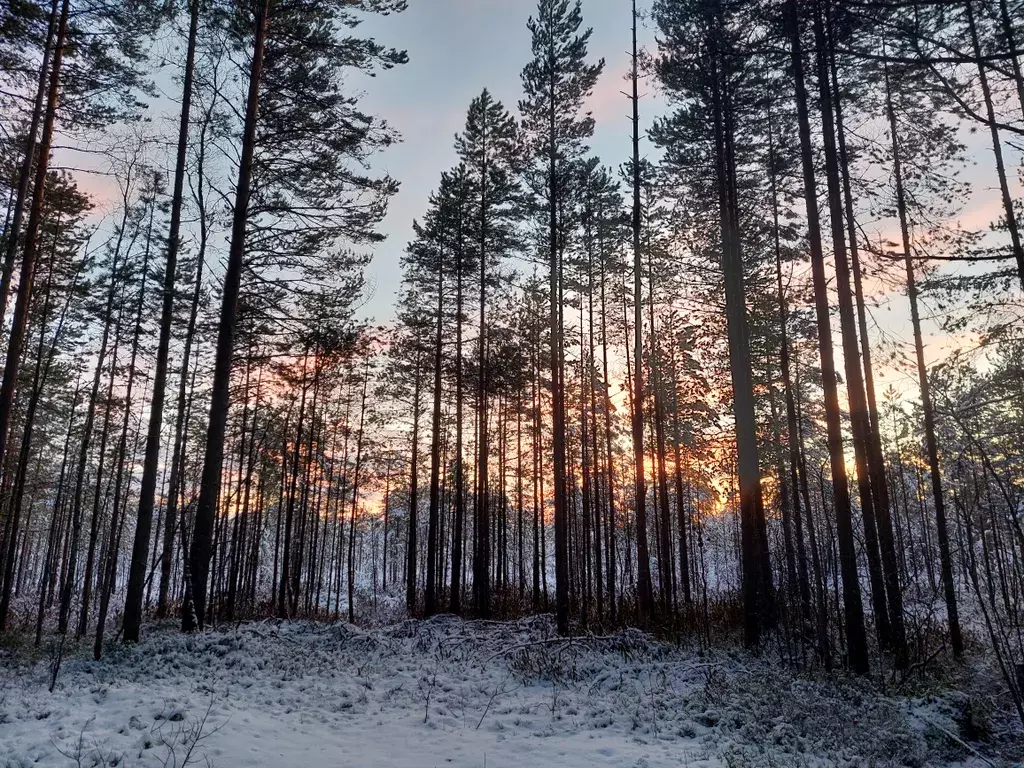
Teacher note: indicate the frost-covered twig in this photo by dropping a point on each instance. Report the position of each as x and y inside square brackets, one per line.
[58, 656]
[197, 734]
[79, 750]
[497, 691]
[431, 682]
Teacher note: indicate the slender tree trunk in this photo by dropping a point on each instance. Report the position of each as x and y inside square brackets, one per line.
[430, 591]
[876, 460]
[355, 500]
[538, 466]
[793, 445]
[645, 594]
[387, 512]
[455, 597]
[873, 440]
[202, 535]
[44, 360]
[109, 573]
[49, 581]
[609, 455]
[244, 449]
[100, 493]
[997, 147]
[74, 534]
[520, 509]
[682, 512]
[482, 553]
[23, 303]
[756, 578]
[285, 587]
[562, 564]
[830, 103]
[40, 374]
[13, 237]
[186, 390]
[853, 608]
[785, 498]
[410, 569]
[599, 585]
[931, 444]
[665, 520]
[147, 491]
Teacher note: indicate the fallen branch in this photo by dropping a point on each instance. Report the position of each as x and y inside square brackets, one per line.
[956, 739]
[919, 665]
[565, 641]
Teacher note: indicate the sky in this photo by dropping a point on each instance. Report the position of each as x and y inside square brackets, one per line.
[456, 49]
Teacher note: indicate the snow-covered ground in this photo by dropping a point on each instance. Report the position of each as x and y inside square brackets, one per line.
[445, 692]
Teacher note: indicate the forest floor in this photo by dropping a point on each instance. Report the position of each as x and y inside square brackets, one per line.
[444, 692]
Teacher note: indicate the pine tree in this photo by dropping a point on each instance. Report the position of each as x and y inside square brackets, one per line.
[286, 111]
[557, 83]
[62, 234]
[147, 493]
[489, 150]
[853, 607]
[701, 66]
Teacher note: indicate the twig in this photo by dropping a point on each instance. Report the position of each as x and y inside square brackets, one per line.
[59, 655]
[430, 691]
[497, 691]
[919, 665]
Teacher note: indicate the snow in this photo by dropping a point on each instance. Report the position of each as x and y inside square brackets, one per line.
[445, 692]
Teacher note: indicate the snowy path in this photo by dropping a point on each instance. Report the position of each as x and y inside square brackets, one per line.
[331, 695]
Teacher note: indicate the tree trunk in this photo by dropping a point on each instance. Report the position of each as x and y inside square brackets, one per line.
[645, 592]
[458, 527]
[22, 305]
[853, 608]
[108, 574]
[931, 444]
[355, 500]
[997, 147]
[13, 237]
[831, 111]
[789, 498]
[147, 491]
[410, 570]
[202, 535]
[756, 578]
[39, 377]
[609, 455]
[594, 453]
[285, 586]
[430, 590]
